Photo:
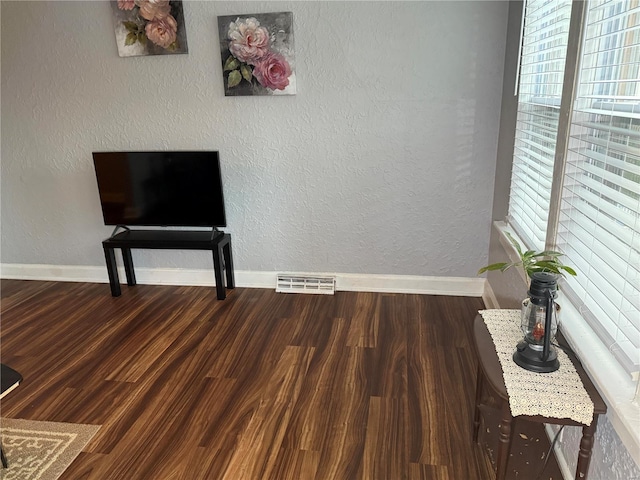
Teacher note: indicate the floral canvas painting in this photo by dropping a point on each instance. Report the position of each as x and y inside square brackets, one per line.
[149, 27]
[257, 54]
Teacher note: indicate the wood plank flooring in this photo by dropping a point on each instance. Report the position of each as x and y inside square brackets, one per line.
[258, 386]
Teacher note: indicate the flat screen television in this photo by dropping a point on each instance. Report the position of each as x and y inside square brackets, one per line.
[178, 189]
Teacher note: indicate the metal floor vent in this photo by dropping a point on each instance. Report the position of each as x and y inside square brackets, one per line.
[305, 284]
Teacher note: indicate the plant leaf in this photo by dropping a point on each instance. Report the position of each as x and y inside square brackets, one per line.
[234, 78]
[131, 39]
[548, 253]
[495, 266]
[231, 63]
[548, 266]
[142, 38]
[569, 270]
[547, 263]
[131, 26]
[515, 243]
[247, 74]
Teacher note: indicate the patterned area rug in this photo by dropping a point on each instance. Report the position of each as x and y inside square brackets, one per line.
[41, 450]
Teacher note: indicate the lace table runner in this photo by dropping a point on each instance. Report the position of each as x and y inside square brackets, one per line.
[558, 394]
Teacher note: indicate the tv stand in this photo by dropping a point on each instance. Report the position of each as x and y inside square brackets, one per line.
[217, 241]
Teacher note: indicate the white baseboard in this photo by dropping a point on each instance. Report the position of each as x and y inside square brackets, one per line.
[452, 286]
[489, 298]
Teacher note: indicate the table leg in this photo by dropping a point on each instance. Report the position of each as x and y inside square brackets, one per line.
[586, 446]
[228, 264]
[217, 268]
[128, 266]
[112, 271]
[504, 445]
[476, 417]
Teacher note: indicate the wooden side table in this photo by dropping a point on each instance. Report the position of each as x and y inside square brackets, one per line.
[490, 376]
[9, 380]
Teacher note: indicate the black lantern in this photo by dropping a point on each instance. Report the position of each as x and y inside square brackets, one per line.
[539, 324]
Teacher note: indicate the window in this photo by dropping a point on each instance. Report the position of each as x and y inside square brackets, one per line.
[599, 222]
[597, 225]
[544, 46]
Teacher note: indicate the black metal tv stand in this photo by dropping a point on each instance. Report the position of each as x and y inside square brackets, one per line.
[217, 241]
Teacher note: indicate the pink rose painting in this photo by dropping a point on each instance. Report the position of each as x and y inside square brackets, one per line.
[257, 54]
[149, 27]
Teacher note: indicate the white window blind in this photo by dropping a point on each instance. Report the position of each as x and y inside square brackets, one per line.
[599, 223]
[544, 46]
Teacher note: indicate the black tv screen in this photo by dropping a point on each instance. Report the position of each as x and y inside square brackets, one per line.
[160, 188]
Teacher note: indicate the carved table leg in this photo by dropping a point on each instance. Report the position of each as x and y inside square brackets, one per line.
[504, 446]
[586, 445]
[476, 417]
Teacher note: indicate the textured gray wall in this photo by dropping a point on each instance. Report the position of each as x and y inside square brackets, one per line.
[383, 162]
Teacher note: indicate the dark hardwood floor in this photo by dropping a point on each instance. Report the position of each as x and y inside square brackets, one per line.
[258, 386]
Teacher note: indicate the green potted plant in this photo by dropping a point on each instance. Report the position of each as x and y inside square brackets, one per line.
[531, 261]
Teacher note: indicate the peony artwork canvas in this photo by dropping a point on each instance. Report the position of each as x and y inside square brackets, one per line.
[149, 27]
[257, 54]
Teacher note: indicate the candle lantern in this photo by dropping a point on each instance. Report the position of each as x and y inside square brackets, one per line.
[535, 351]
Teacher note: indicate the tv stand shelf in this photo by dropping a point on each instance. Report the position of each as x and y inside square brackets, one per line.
[218, 242]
